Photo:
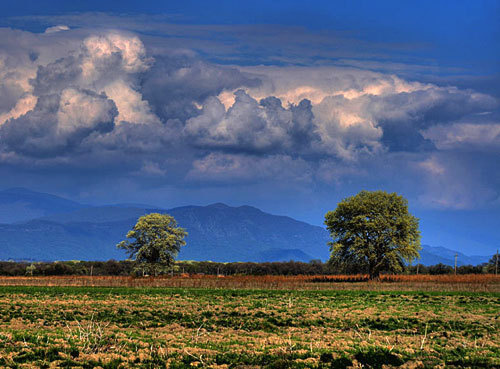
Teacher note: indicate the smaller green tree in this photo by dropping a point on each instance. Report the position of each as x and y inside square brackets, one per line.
[157, 241]
[30, 269]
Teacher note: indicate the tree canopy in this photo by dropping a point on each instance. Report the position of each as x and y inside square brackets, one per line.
[493, 264]
[373, 232]
[158, 240]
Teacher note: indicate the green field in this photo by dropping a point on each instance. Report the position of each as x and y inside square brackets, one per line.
[83, 327]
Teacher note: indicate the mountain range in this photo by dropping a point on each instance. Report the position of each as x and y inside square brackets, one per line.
[38, 226]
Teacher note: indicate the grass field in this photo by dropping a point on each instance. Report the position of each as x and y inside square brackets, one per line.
[121, 327]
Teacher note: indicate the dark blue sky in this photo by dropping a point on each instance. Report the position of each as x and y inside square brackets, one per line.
[285, 105]
[453, 33]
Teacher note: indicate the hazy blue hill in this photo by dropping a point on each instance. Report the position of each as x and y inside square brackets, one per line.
[46, 241]
[429, 258]
[101, 214]
[430, 255]
[284, 255]
[217, 232]
[20, 204]
[224, 233]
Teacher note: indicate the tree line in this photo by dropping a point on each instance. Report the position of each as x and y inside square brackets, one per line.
[129, 268]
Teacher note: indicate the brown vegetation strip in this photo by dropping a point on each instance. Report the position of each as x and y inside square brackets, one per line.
[467, 282]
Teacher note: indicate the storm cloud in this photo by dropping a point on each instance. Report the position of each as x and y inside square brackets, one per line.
[111, 101]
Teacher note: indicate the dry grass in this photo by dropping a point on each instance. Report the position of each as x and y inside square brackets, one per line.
[87, 327]
[467, 282]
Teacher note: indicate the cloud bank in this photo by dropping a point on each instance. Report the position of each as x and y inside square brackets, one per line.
[108, 101]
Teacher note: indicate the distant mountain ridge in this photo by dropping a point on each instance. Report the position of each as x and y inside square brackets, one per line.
[430, 255]
[100, 214]
[68, 230]
[20, 204]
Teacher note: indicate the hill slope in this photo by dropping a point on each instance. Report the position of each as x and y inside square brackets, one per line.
[68, 230]
[216, 232]
[430, 255]
[223, 233]
[20, 204]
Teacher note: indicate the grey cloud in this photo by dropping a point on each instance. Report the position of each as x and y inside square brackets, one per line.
[175, 117]
[10, 93]
[429, 106]
[404, 115]
[360, 112]
[29, 134]
[99, 60]
[138, 139]
[465, 136]
[459, 180]
[352, 112]
[174, 84]
[346, 130]
[300, 127]
[249, 126]
[234, 168]
[47, 132]
[56, 76]
[22, 50]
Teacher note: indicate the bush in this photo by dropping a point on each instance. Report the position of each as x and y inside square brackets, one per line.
[288, 268]
[440, 269]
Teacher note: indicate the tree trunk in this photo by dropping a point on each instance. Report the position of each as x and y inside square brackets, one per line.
[374, 272]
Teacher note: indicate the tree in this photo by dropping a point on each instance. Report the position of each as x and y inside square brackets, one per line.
[440, 268]
[373, 232]
[30, 269]
[157, 242]
[493, 265]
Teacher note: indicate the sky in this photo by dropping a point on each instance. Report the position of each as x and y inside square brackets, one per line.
[288, 106]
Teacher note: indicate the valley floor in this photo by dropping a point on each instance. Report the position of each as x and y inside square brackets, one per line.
[121, 327]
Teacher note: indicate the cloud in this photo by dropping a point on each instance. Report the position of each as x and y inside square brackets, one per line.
[465, 136]
[432, 166]
[131, 106]
[361, 112]
[453, 182]
[177, 84]
[24, 104]
[233, 168]
[58, 124]
[151, 168]
[112, 49]
[345, 130]
[83, 110]
[83, 93]
[258, 44]
[57, 28]
[325, 111]
[109, 101]
[108, 63]
[253, 127]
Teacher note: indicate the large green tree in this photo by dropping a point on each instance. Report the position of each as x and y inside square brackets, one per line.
[373, 232]
[157, 241]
